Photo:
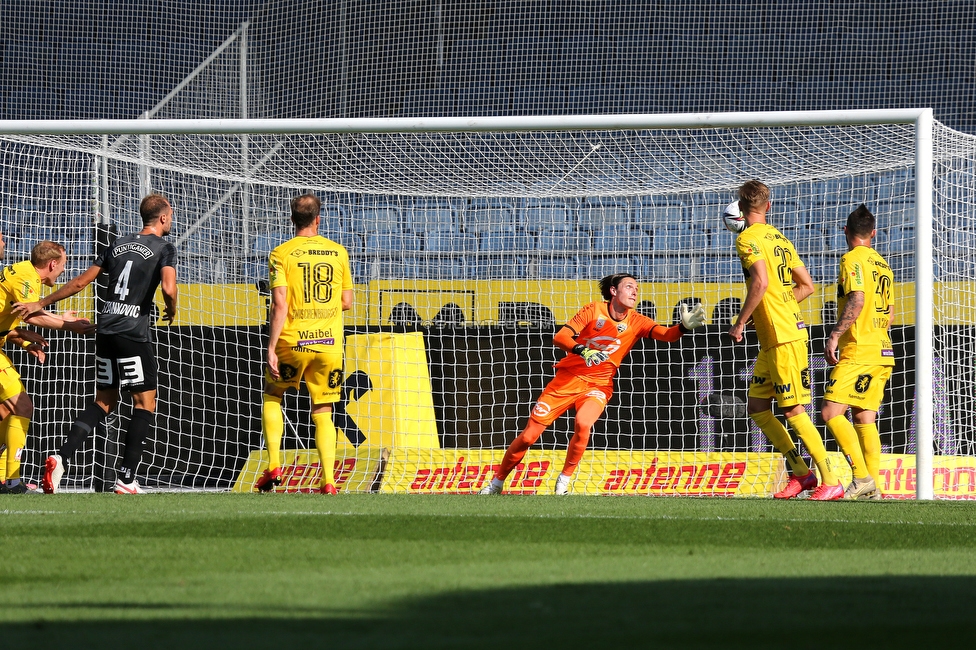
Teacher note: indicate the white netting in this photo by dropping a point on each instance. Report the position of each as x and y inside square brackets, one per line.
[485, 242]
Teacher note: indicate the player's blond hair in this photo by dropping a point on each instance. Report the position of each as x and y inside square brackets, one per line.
[753, 197]
[46, 251]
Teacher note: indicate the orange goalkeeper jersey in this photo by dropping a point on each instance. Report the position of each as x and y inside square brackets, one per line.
[594, 328]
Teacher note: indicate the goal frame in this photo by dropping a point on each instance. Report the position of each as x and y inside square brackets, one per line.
[921, 118]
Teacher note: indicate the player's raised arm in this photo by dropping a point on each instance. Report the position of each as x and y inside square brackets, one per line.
[68, 289]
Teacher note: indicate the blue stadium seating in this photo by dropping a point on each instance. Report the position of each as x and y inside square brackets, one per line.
[504, 241]
[427, 218]
[483, 215]
[451, 241]
[375, 219]
[539, 214]
[605, 212]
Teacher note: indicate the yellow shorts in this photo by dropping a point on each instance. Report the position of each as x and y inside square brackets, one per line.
[10, 383]
[566, 390]
[857, 385]
[322, 372]
[782, 372]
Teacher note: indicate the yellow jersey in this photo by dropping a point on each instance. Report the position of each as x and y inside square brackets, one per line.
[867, 341]
[18, 283]
[777, 318]
[316, 272]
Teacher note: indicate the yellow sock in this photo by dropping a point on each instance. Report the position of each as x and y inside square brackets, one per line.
[780, 437]
[807, 432]
[3, 455]
[325, 443]
[273, 427]
[846, 437]
[15, 433]
[870, 440]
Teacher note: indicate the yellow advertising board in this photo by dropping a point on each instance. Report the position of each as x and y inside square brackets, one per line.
[463, 471]
[390, 401]
[356, 470]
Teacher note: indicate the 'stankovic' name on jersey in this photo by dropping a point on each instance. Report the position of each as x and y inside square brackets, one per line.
[122, 309]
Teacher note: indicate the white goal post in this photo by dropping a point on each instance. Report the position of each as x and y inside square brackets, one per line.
[206, 148]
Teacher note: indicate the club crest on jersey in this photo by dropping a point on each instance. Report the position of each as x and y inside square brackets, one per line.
[621, 328]
[286, 371]
[600, 322]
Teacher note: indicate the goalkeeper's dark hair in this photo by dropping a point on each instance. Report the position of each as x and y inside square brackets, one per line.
[861, 222]
[304, 209]
[612, 281]
[753, 196]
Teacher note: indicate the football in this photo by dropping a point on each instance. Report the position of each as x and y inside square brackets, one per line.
[732, 218]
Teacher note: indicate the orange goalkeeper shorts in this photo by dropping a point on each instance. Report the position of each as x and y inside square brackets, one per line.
[566, 390]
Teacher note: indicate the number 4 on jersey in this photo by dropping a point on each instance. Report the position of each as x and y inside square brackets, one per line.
[122, 286]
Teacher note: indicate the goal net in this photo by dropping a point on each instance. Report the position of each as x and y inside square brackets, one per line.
[469, 248]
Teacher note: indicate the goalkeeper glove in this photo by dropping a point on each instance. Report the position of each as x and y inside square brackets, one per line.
[692, 317]
[591, 357]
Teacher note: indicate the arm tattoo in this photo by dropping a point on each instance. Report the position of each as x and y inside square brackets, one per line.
[852, 309]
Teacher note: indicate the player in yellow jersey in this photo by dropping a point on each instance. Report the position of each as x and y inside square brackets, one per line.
[311, 285]
[859, 349]
[21, 282]
[777, 282]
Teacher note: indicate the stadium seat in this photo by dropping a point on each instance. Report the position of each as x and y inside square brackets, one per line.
[375, 219]
[722, 268]
[618, 239]
[595, 267]
[483, 215]
[540, 214]
[559, 240]
[451, 241]
[423, 219]
[388, 242]
[599, 213]
[504, 241]
[558, 267]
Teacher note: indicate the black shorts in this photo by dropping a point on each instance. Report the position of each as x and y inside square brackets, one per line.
[122, 363]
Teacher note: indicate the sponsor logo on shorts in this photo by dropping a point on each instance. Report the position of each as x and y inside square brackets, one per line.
[541, 409]
[757, 380]
[862, 383]
[887, 353]
[598, 394]
[325, 341]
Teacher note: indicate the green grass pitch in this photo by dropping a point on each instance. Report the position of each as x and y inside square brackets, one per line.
[396, 571]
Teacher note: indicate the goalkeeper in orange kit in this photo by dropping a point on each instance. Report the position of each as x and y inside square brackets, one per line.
[596, 340]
